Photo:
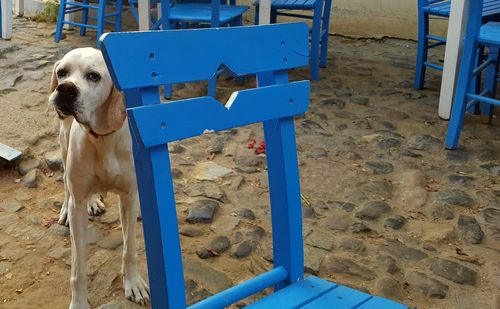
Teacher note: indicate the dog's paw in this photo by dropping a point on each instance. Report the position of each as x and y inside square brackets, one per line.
[95, 206]
[63, 216]
[136, 289]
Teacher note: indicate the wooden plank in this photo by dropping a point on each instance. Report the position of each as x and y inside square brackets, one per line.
[456, 30]
[295, 295]
[6, 19]
[163, 123]
[379, 302]
[9, 153]
[191, 55]
[341, 297]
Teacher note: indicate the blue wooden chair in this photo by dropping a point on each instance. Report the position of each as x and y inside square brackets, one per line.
[98, 22]
[319, 30]
[196, 14]
[440, 9]
[189, 55]
[477, 36]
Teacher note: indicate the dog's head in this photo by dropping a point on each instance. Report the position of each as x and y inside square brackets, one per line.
[81, 87]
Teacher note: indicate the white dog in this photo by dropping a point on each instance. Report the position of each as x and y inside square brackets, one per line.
[96, 146]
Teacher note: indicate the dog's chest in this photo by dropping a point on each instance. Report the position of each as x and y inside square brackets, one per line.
[112, 172]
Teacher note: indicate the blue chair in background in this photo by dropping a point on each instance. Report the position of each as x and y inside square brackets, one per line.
[319, 30]
[164, 57]
[440, 9]
[477, 36]
[98, 22]
[196, 14]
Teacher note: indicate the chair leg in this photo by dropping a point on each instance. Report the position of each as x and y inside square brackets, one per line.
[85, 18]
[422, 49]
[325, 25]
[460, 100]
[490, 82]
[274, 16]
[118, 17]
[60, 21]
[212, 86]
[315, 41]
[101, 11]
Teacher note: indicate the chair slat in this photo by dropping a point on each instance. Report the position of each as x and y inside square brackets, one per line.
[163, 123]
[341, 297]
[379, 302]
[178, 57]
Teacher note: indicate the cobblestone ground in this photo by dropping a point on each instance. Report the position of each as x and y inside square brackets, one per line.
[386, 209]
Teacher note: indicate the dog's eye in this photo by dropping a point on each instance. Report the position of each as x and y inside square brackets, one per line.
[62, 73]
[93, 76]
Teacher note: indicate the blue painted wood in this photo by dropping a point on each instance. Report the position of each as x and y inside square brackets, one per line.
[475, 37]
[164, 123]
[381, 303]
[182, 56]
[296, 295]
[341, 297]
[242, 290]
[320, 26]
[426, 8]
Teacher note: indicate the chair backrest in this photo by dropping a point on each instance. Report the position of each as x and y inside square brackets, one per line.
[167, 57]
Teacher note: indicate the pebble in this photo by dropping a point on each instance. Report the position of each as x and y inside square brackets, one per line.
[361, 101]
[428, 286]
[333, 265]
[341, 205]
[244, 249]
[442, 212]
[408, 153]
[487, 199]
[308, 212]
[54, 161]
[459, 154]
[470, 230]
[395, 223]
[249, 161]
[216, 146]
[461, 180]
[360, 227]
[387, 143]
[11, 206]
[218, 245]
[59, 230]
[401, 251]
[30, 180]
[334, 103]
[377, 167]
[320, 240]
[176, 148]
[111, 241]
[202, 211]
[349, 155]
[94, 234]
[352, 245]
[373, 210]
[314, 127]
[190, 231]
[205, 189]
[425, 143]
[211, 171]
[312, 259]
[120, 303]
[453, 271]
[492, 215]
[456, 197]
[244, 213]
[388, 263]
[226, 225]
[317, 153]
[390, 288]
[338, 222]
[379, 189]
[28, 165]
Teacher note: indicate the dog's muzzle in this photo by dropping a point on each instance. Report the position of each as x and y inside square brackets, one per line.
[65, 100]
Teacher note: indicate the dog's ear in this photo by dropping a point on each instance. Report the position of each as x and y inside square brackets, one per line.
[53, 78]
[116, 109]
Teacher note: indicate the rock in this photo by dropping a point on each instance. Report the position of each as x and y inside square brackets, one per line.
[312, 259]
[360, 227]
[54, 161]
[190, 231]
[461, 180]
[349, 155]
[30, 180]
[487, 198]
[314, 127]
[470, 230]
[338, 222]
[377, 167]
[363, 124]
[459, 154]
[202, 211]
[249, 161]
[211, 171]
[244, 248]
[59, 230]
[176, 148]
[317, 153]
[308, 212]
[176, 173]
[395, 223]
[195, 294]
[492, 168]
[352, 245]
[120, 303]
[453, 271]
[94, 234]
[361, 101]
[411, 190]
[456, 197]
[390, 288]
[220, 244]
[332, 265]
[216, 146]
[428, 286]
[341, 205]
[334, 103]
[244, 213]
[387, 143]
[379, 189]
[256, 232]
[388, 263]
[442, 212]
[400, 251]
[425, 143]
[111, 241]
[58, 252]
[212, 280]
[320, 240]
[407, 153]
[28, 165]
[373, 210]
[206, 189]
[492, 215]
[11, 206]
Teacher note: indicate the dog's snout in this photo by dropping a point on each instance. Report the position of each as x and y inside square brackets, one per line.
[67, 89]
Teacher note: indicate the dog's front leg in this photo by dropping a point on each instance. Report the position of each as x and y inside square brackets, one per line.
[136, 289]
[77, 213]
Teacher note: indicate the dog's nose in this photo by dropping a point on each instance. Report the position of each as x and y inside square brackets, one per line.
[67, 89]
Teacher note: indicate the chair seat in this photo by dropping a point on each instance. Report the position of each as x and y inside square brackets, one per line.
[292, 4]
[490, 34]
[202, 12]
[316, 293]
[442, 8]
